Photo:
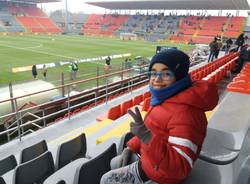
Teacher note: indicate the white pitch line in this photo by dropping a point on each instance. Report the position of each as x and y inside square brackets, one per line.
[35, 51]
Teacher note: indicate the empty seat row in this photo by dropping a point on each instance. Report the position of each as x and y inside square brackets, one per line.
[37, 161]
[241, 83]
[121, 109]
[209, 68]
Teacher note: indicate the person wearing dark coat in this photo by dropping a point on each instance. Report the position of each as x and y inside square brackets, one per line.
[240, 41]
[244, 56]
[213, 48]
[229, 43]
[34, 71]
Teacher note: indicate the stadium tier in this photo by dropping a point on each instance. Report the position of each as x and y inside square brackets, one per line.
[194, 29]
[185, 29]
[26, 18]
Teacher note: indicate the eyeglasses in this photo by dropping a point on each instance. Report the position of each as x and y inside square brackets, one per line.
[164, 75]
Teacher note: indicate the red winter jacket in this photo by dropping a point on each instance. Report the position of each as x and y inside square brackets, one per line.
[178, 128]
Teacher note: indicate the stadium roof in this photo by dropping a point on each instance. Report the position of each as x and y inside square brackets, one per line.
[172, 4]
[31, 1]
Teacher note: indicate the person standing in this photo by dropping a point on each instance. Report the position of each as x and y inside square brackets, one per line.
[45, 70]
[71, 72]
[229, 43]
[170, 137]
[213, 47]
[108, 61]
[239, 41]
[34, 71]
[217, 48]
[75, 69]
[243, 57]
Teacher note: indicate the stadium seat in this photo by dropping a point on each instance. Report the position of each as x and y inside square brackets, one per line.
[124, 139]
[137, 100]
[58, 119]
[113, 113]
[35, 170]
[146, 104]
[61, 182]
[71, 150]
[68, 114]
[7, 164]
[84, 108]
[76, 111]
[92, 171]
[146, 95]
[33, 151]
[125, 106]
[2, 181]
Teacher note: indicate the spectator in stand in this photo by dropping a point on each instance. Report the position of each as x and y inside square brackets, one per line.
[34, 71]
[213, 47]
[170, 137]
[217, 49]
[246, 39]
[229, 43]
[244, 56]
[239, 41]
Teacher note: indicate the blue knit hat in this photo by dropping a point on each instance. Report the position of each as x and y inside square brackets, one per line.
[176, 60]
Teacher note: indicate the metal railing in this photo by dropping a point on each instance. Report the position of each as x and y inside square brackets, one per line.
[18, 124]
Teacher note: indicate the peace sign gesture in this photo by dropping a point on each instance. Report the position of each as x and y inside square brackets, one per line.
[138, 128]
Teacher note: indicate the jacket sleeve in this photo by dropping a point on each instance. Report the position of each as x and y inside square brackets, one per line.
[134, 144]
[173, 155]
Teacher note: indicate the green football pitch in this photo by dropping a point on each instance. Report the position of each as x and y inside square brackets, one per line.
[26, 50]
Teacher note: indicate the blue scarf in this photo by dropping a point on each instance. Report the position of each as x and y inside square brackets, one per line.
[160, 95]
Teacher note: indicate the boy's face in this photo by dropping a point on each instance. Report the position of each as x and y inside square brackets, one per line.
[161, 76]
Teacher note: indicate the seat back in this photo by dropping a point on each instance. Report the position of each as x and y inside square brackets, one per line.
[137, 100]
[35, 170]
[61, 182]
[114, 112]
[125, 106]
[146, 104]
[124, 139]
[146, 95]
[71, 150]
[92, 171]
[2, 181]
[33, 151]
[7, 164]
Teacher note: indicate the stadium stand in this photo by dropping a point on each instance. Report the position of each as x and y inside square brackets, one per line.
[196, 29]
[7, 22]
[103, 24]
[25, 18]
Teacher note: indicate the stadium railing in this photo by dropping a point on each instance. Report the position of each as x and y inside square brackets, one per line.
[66, 105]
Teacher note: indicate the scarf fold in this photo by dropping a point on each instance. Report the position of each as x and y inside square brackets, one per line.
[160, 95]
